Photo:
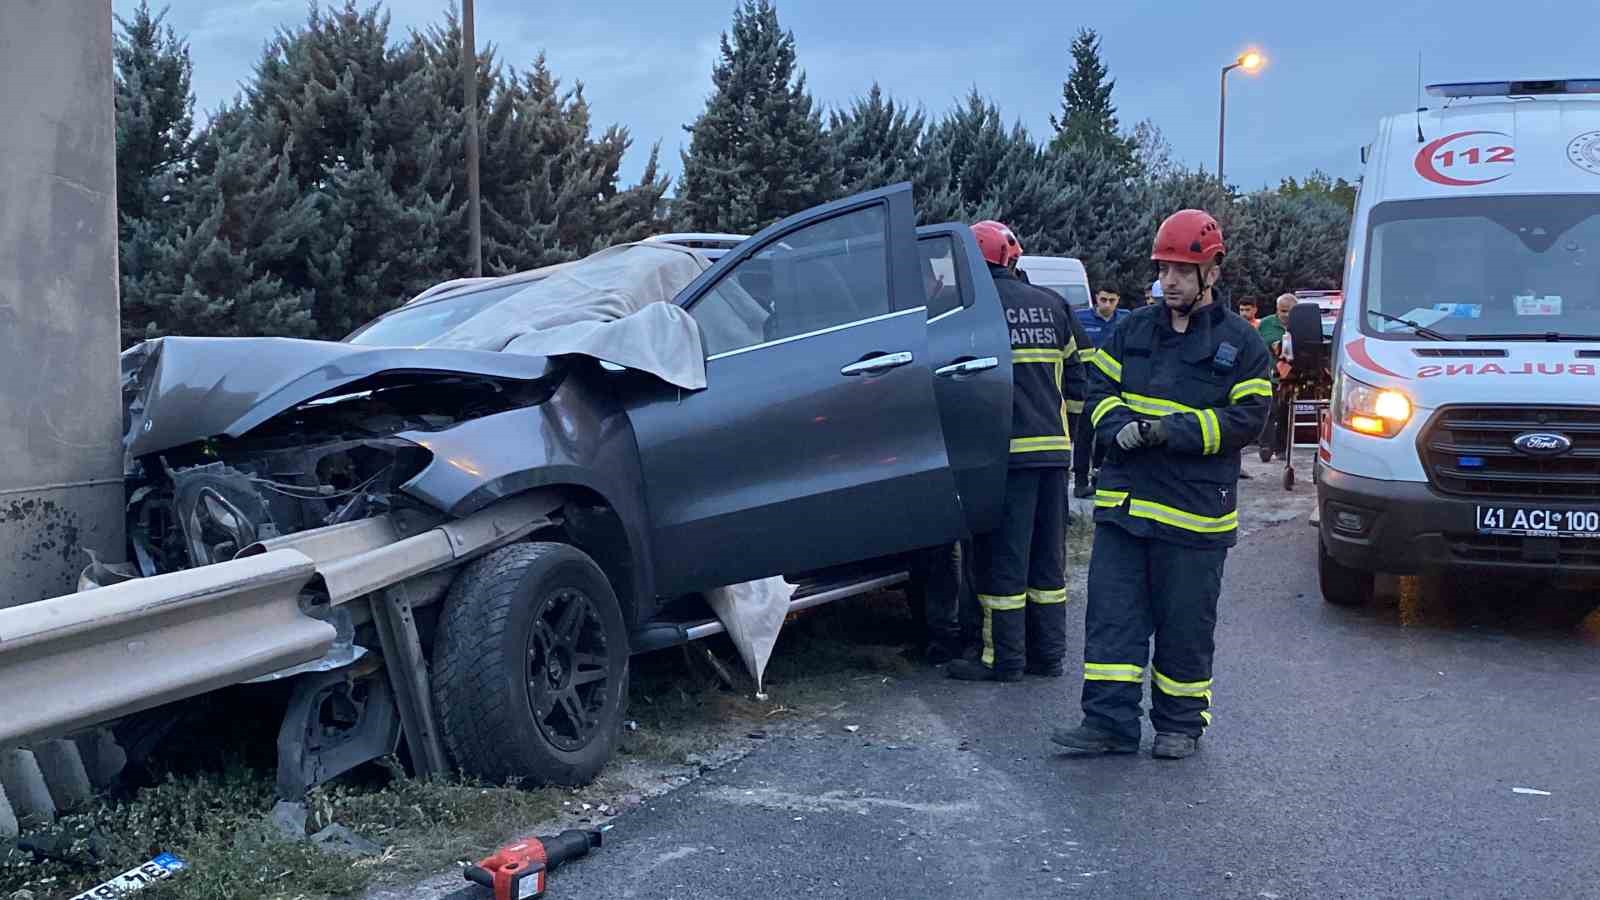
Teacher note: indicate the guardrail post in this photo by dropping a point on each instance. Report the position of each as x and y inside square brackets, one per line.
[408, 676]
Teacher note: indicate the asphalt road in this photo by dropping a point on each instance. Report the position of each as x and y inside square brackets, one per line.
[1356, 753]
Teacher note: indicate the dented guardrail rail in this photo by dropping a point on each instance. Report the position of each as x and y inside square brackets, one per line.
[76, 660]
[72, 661]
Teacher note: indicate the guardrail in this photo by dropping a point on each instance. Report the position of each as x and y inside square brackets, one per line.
[85, 658]
[72, 661]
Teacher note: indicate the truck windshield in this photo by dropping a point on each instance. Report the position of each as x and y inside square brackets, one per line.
[415, 326]
[1485, 268]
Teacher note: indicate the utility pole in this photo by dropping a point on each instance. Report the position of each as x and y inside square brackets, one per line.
[469, 95]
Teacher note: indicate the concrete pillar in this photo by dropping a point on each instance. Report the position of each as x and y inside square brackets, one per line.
[25, 784]
[8, 819]
[64, 774]
[60, 409]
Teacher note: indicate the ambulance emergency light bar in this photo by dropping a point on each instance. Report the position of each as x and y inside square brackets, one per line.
[1515, 88]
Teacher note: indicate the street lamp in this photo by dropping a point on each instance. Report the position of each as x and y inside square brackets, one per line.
[1251, 61]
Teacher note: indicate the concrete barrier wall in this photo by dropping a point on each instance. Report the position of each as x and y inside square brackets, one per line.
[60, 414]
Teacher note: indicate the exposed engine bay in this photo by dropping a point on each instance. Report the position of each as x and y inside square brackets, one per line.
[327, 461]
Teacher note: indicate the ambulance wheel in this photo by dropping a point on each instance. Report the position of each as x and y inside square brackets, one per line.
[530, 667]
[1342, 585]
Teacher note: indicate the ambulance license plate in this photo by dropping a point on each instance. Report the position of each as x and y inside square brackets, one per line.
[1521, 521]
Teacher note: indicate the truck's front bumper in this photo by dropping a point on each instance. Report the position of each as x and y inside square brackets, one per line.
[1405, 527]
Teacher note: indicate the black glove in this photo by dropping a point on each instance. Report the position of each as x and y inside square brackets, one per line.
[1155, 432]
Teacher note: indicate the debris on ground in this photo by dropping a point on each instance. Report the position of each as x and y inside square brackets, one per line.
[341, 840]
[1532, 791]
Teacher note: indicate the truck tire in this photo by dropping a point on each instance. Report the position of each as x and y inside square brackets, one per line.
[1342, 585]
[530, 667]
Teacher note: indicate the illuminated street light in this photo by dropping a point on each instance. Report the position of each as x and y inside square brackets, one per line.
[1251, 61]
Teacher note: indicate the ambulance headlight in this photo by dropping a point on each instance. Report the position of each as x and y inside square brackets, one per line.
[1380, 412]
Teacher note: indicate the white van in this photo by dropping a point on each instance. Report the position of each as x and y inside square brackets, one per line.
[1465, 427]
[1061, 274]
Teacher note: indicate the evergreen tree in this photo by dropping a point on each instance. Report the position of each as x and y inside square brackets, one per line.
[1321, 184]
[639, 211]
[758, 152]
[967, 155]
[1088, 119]
[154, 113]
[211, 271]
[353, 118]
[876, 142]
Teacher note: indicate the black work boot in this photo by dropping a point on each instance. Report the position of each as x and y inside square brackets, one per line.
[1174, 746]
[1089, 739]
[1042, 670]
[941, 651]
[1081, 488]
[971, 670]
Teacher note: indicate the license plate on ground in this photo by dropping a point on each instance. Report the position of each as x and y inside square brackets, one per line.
[162, 867]
[1535, 522]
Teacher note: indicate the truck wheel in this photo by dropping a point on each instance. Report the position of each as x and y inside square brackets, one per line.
[530, 666]
[1342, 585]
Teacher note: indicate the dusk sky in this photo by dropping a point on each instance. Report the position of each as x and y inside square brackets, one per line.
[1334, 68]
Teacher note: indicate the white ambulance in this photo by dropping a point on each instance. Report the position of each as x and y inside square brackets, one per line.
[1464, 432]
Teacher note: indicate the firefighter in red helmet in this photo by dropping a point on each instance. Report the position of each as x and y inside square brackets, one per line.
[1174, 393]
[1021, 566]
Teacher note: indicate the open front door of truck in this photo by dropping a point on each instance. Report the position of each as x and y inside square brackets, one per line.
[818, 440]
[971, 352]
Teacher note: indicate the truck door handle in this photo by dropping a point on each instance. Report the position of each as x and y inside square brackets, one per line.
[875, 364]
[967, 367]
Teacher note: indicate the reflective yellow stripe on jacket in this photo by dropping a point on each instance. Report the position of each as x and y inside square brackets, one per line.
[1177, 518]
[1056, 359]
[1210, 428]
[1041, 444]
[1103, 407]
[1108, 364]
[1250, 387]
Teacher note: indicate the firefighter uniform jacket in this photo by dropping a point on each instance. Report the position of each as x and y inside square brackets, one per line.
[1075, 393]
[1210, 386]
[1045, 371]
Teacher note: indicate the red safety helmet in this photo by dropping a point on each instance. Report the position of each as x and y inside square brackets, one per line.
[1189, 236]
[999, 245]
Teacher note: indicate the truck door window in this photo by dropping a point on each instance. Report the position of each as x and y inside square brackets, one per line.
[940, 280]
[822, 275]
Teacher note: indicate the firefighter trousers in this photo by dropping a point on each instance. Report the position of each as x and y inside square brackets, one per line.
[1139, 587]
[1021, 573]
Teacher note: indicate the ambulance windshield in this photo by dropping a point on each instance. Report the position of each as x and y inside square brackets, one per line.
[1486, 268]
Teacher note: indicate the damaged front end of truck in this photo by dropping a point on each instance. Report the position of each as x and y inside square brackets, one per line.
[229, 442]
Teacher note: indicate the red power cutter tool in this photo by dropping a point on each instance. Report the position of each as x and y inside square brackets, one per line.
[517, 871]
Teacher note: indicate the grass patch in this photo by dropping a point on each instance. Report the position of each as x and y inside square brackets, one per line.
[216, 822]
[681, 707]
[214, 814]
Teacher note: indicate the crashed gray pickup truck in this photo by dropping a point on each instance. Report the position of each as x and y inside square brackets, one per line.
[826, 400]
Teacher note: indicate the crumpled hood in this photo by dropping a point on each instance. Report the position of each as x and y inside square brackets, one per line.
[178, 390]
